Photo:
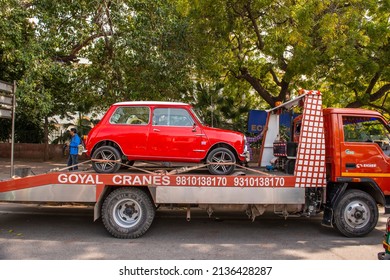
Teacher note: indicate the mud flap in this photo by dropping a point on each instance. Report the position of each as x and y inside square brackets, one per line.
[327, 219]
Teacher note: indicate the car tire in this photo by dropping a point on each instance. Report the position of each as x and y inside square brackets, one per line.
[356, 214]
[221, 155]
[106, 153]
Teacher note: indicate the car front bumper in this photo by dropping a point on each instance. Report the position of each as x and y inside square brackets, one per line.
[246, 156]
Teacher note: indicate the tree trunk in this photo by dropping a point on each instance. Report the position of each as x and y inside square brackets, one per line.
[255, 83]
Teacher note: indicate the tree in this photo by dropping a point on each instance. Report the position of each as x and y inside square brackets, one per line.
[280, 46]
[134, 51]
[223, 105]
[238, 53]
[134, 47]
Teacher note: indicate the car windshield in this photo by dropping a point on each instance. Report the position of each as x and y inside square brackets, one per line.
[198, 114]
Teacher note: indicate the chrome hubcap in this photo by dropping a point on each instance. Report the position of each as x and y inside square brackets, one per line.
[357, 214]
[221, 157]
[106, 155]
[127, 213]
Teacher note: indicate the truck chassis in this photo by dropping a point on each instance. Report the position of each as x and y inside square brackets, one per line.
[127, 201]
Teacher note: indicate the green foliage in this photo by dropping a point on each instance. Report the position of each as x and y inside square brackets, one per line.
[135, 50]
[223, 106]
[225, 56]
[26, 130]
[280, 46]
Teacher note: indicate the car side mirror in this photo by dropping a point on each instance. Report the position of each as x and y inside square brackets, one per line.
[194, 127]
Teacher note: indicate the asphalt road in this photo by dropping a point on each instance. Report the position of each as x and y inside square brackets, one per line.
[33, 232]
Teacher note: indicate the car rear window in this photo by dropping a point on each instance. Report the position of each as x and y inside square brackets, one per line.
[131, 115]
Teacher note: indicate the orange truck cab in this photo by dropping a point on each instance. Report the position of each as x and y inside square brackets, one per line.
[357, 163]
[344, 152]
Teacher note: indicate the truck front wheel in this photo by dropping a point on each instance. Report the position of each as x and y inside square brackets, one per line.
[356, 214]
[127, 213]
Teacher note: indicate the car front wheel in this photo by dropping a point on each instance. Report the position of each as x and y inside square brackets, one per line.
[221, 161]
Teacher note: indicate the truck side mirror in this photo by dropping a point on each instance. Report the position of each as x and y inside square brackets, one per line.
[194, 127]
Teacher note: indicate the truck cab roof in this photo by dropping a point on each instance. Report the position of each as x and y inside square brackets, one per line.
[351, 111]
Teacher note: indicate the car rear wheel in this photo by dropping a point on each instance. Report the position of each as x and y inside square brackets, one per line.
[221, 161]
[106, 159]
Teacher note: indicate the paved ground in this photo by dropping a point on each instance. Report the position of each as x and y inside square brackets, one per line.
[37, 232]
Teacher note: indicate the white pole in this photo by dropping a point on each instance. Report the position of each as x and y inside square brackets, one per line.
[13, 129]
[212, 111]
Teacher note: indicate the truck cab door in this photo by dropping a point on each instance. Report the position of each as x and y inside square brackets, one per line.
[365, 149]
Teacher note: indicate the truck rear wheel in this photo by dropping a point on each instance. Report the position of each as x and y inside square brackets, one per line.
[127, 213]
[356, 214]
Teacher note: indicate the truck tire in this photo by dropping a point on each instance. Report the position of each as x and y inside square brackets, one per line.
[106, 153]
[356, 213]
[127, 213]
[221, 155]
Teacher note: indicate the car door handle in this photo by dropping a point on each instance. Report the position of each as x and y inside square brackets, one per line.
[350, 165]
[156, 130]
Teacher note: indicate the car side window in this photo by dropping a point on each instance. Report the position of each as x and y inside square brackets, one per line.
[366, 129]
[172, 117]
[130, 115]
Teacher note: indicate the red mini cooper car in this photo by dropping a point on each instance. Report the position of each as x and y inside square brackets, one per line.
[162, 131]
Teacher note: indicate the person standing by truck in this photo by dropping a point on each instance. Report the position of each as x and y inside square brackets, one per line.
[73, 149]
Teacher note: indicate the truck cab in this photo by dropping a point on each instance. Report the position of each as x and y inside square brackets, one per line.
[358, 146]
[357, 149]
[358, 166]
[343, 151]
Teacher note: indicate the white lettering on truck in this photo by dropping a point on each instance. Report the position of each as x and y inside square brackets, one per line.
[366, 165]
[145, 180]
[79, 179]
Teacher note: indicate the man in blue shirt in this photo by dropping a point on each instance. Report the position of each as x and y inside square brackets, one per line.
[73, 149]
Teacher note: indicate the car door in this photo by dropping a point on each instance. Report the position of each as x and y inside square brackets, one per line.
[174, 136]
[130, 129]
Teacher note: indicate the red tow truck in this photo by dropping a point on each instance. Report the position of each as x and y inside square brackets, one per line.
[332, 163]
